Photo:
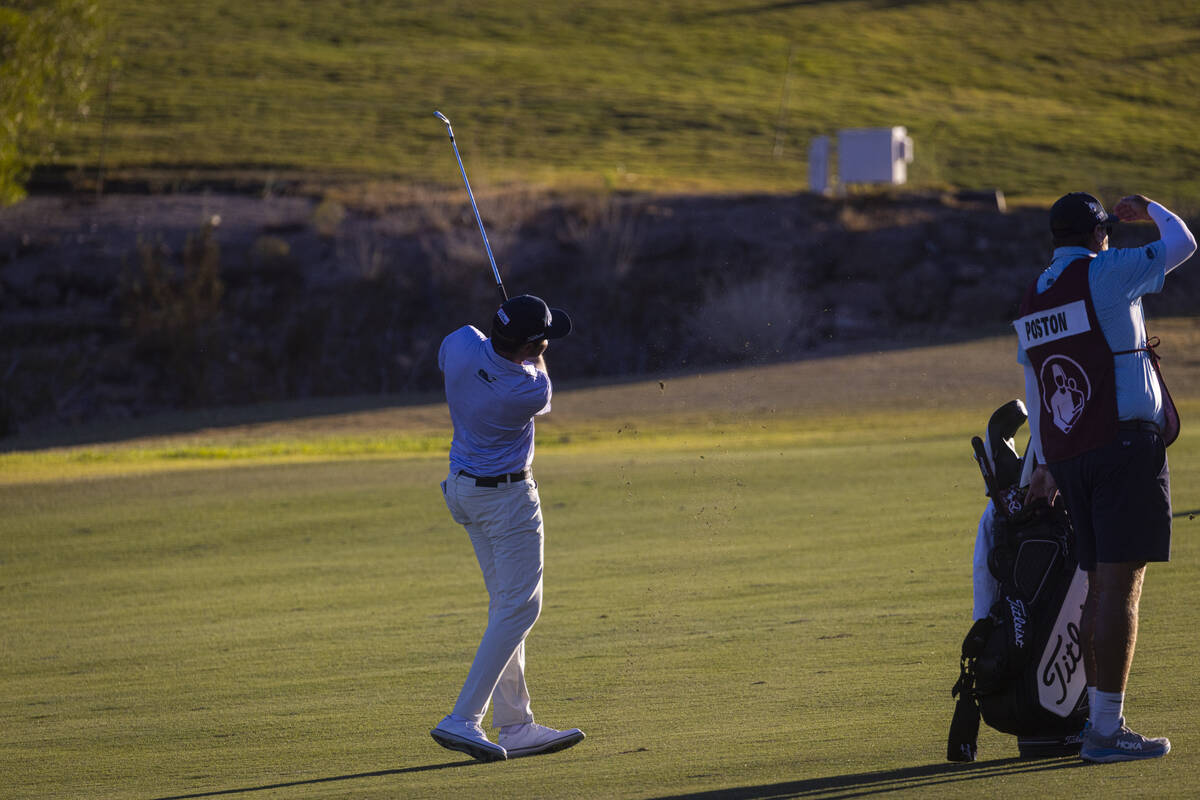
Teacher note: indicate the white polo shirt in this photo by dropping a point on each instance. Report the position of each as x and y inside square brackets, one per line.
[492, 404]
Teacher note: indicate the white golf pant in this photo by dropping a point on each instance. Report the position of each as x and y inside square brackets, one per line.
[505, 525]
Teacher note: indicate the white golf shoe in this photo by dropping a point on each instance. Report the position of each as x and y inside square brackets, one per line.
[467, 737]
[531, 739]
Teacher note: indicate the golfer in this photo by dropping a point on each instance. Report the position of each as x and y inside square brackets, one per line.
[495, 387]
[1100, 419]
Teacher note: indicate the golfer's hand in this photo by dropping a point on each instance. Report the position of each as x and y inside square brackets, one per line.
[1041, 486]
[1134, 208]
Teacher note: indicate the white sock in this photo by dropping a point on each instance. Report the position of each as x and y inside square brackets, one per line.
[1107, 709]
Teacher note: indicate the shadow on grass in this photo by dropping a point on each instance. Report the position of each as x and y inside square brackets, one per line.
[171, 423]
[787, 5]
[313, 781]
[865, 784]
[47, 433]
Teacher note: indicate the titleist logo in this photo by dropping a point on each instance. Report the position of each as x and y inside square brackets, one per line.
[1017, 609]
[1064, 662]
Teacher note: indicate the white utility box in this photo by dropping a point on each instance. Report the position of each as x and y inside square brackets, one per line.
[818, 165]
[874, 155]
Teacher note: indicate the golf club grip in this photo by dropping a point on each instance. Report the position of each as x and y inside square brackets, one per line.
[503, 294]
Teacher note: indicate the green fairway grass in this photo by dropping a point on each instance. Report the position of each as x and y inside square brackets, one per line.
[708, 95]
[762, 600]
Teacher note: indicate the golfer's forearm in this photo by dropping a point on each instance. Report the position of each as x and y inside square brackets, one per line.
[1178, 241]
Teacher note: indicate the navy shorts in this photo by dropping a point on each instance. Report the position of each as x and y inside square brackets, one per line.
[1119, 499]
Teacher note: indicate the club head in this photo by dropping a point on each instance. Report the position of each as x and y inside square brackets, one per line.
[998, 441]
[449, 130]
[1007, 420]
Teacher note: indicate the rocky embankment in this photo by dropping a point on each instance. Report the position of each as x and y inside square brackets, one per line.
[127, 305]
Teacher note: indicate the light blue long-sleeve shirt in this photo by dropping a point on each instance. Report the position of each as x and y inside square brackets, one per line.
[492, 404]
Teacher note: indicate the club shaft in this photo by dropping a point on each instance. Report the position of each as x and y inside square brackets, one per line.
[478, 219]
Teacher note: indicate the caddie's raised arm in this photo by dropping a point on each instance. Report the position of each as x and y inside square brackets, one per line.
[1178, 242]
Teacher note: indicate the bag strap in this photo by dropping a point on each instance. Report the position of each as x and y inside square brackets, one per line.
[962, 740]
[1170, 413]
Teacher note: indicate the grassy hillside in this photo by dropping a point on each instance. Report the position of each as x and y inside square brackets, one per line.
[1026, 96]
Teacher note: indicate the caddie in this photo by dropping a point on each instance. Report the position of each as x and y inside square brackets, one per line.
[495, 386]
[1100, 419]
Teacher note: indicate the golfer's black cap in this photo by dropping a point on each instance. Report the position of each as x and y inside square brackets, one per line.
[1078, 212]
[526, 318]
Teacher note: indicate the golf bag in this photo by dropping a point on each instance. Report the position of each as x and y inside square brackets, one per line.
[1021, 668]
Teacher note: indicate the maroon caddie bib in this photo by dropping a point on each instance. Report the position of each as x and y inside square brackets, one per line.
[1059, 331]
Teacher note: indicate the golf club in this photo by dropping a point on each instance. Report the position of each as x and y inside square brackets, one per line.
[475, 208]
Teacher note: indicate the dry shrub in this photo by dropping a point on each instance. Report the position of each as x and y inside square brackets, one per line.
[161, 298]
[363, 253]
[327, 218]
[607, 231]
[434, 211]
[269, 252]
[760, 319]
[173, 311]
